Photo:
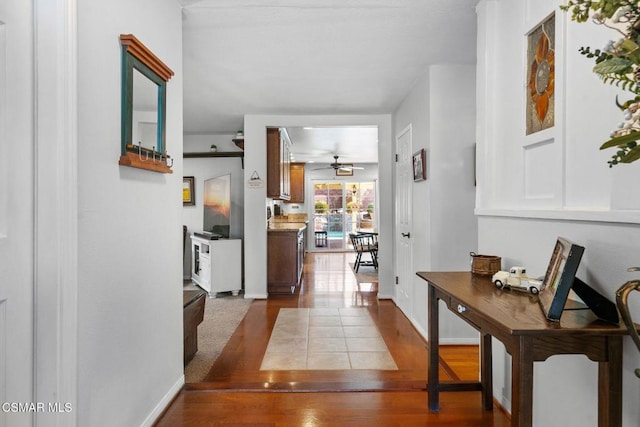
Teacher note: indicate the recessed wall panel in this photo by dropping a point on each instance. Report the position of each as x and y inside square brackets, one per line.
[540, 177]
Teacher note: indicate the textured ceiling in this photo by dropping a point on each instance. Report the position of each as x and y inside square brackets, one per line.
[313, 56]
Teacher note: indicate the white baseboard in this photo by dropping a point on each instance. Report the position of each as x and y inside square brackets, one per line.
[164, 402]
[255, 296]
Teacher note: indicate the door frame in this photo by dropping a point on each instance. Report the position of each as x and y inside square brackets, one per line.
[56, 208]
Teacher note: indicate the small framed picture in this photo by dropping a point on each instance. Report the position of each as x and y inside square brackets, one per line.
[345, 170]
[188, 194]
[559, 277]
[420, 165]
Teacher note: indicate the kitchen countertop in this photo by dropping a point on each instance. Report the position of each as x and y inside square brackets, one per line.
[287, 226]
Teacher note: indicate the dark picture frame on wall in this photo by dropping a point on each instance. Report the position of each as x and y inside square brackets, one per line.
[188, 193]
[558, 280]
[420, 165]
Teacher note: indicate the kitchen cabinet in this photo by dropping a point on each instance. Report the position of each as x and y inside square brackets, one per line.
[296, 173]
[285, 258]
[278, 164]
[216, 265]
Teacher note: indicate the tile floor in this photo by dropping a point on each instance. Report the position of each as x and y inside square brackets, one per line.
[324, 339]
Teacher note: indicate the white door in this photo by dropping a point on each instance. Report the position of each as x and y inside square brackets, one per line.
[16, 211]
[404, 183]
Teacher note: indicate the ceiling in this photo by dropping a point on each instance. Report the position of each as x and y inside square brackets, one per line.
[315, 57]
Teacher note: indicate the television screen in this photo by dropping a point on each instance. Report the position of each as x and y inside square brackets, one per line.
[217, 205]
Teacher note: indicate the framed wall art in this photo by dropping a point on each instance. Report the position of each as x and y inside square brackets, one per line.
[420, 165]
[346, 169]
[559, 277]
[540, 99]
[188, 194]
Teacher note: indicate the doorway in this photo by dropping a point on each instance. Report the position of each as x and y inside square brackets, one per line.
[340, 208]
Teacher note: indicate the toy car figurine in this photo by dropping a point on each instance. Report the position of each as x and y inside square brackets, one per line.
[515, 278]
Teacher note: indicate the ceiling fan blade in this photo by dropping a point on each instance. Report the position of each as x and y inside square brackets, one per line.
[339, 166]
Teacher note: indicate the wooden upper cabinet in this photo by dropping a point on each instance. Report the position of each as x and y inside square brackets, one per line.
[297, 183]
[278, 173]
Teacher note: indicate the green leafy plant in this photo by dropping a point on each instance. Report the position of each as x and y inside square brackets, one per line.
[352, 207]
[321, 207]
[617, 63]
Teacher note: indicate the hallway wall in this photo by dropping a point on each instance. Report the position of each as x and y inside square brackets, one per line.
[211, 167]
[441, 112]
[129, 234]
[556, 182]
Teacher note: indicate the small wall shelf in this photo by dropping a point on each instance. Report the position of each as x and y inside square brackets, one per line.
[215, 154]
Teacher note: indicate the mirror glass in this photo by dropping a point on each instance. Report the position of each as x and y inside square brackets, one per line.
[144, 127]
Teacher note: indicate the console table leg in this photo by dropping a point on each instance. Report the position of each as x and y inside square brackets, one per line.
[522, 383]
[486, 371]
[610, 385]
[434, 353]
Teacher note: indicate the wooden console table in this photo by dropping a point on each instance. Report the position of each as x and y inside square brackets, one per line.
[517, 320]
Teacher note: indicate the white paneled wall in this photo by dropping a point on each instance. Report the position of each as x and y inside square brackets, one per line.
[560, 168]
[532, 189]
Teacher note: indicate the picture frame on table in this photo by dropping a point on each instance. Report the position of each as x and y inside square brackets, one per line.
[558, 280]
[188, 193]
[420, 165]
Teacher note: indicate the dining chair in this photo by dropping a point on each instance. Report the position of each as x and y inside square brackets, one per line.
[365, 243]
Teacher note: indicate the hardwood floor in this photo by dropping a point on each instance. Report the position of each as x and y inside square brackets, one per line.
[237, 392]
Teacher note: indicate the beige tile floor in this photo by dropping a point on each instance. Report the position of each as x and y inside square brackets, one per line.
[326, 338]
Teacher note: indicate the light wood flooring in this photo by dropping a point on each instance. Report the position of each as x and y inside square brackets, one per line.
[237, 392]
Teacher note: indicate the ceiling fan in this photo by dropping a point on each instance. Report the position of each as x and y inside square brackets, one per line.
[340, 166]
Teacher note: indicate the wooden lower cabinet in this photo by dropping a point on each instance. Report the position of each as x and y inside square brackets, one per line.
[193, 314]
[285, 259]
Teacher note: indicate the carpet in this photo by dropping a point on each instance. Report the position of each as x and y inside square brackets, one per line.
[366, 274]
[221, 318]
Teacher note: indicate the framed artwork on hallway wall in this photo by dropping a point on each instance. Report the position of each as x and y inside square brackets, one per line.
[420, 165]
[540, 108]
[188, 195]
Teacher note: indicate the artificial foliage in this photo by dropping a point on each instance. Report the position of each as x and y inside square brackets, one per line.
[617, 63]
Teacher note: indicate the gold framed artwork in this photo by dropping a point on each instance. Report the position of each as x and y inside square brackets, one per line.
[540, 108]
[188, 195]
[345, 170]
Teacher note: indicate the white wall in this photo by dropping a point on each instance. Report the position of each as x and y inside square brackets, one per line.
[441, 112]
[255, 219]
[210, 167]
[129, 227]
[554, 183]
